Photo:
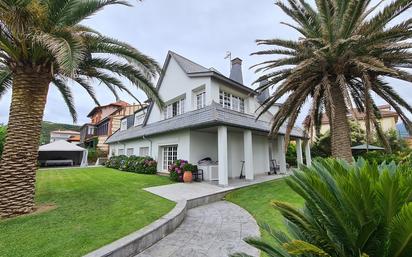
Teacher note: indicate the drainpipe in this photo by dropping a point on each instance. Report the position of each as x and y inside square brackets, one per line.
[151, 143]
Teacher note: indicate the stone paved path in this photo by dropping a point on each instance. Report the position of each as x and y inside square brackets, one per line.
[213, 230]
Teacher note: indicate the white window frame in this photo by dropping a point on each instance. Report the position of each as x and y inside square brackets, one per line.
[169, 155]
[200, 98]
[129, 151]
[144, 151]
[90, 130]
[139, 118]
[174, 109]
[123, 124]
[232, 102]
[120, 151]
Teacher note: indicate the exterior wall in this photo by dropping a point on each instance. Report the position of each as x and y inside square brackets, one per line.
[180, 138]
[202, 145]
[196, 145]
[235, 153]
[387, 124]
[260, 154]
[177, 80]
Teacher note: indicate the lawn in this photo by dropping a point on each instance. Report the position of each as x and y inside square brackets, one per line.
[94, 206]
[256, 200]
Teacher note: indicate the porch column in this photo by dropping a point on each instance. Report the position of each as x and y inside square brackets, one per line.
[307, 153]
[299, 151]
[222, 155]
[282, 154]
[248, 154]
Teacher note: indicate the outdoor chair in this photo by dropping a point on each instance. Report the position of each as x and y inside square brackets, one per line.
[198, 175]
[275, 167]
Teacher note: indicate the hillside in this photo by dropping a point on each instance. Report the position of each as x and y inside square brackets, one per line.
[48, 126]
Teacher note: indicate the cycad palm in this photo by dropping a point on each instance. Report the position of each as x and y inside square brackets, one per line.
[42, 44]
[345, 50]
[362, 210]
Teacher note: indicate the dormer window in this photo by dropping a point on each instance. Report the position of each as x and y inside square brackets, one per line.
[123, 124]
[174, 109]
[200, 100]
[232, 102]
[139, 118]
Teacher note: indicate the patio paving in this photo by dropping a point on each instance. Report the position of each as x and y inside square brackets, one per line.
[213, 230]
[188, 191]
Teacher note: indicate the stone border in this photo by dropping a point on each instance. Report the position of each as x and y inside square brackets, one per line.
[143, 238]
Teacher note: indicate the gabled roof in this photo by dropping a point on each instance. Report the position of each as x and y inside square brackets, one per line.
[211, 115]
[118, 104]
[193, 69]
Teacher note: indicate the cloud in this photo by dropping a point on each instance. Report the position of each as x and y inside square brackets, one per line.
[200, 30]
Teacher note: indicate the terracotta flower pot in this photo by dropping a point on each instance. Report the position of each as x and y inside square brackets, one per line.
[187, 177]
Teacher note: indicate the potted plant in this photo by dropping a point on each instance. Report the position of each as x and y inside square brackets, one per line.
[187, 173]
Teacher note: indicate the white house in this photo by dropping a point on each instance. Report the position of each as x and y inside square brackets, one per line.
[207, 115]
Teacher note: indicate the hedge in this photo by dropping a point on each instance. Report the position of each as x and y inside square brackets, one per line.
[136, 164]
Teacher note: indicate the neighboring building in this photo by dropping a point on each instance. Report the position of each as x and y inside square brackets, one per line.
[66, 135]
[104, 121]
[388, 119]
[403, 133]
[207, 115]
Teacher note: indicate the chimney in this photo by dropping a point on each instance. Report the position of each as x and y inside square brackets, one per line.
[236, 70]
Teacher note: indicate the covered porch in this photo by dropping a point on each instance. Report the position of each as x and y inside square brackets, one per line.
[239, 154]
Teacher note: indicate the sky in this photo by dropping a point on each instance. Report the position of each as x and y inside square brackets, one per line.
[202, 31]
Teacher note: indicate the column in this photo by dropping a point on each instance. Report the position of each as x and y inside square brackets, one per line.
[248, 154]
[299, 154]
[282, 154]
[307, 153]
[222, 155]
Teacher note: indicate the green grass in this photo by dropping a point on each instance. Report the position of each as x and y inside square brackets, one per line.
[95, 206]
[257, 201]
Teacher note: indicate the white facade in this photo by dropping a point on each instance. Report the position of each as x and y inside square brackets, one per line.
[229, 146]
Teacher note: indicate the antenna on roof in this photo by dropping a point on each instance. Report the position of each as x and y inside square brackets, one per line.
[229, 56]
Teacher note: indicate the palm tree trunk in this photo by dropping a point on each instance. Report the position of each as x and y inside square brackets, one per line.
[19, 160]
[340, 130]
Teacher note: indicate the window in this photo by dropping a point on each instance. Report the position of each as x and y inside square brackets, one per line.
[175, 109]
[200, 100]
[169, 156]
[123, 124]
[139, 118]
[232, 102]
[129, 151]
[120, 152]
[144, 151]
[90, 130]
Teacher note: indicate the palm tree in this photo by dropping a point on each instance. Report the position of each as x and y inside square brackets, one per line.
[346, 49]
[360, 210]
[43, 44]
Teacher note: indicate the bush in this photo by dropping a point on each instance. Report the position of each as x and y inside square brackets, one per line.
[177, 169]
[136, 164]
[357, 210]
[2, 137]
[116, 162]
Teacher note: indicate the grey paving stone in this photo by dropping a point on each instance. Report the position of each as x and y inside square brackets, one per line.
[213, 230]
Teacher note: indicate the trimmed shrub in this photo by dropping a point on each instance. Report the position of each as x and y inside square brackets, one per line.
[136, 164]
[115, 162]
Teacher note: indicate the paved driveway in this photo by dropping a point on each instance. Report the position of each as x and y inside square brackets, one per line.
[213, 230]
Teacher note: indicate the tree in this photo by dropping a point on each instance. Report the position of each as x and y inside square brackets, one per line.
[322, 145]
[43, 44]
[360, 210]
[345, 50]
